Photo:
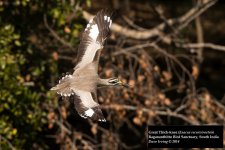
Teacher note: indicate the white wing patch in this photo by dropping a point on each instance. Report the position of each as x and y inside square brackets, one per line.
[94, 32]
[89, 112]
[105, 17]
[110, 23]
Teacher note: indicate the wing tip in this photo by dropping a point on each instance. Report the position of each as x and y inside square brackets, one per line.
[106, 11]
[99, 119]
[98, 27]
[102, 120]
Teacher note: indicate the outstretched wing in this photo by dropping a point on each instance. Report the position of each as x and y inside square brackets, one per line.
[86, 105]
[93, 39]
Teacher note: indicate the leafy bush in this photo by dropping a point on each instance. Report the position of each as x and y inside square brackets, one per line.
[28, 60]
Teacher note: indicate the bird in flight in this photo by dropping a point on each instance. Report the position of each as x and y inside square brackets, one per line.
[84, 81]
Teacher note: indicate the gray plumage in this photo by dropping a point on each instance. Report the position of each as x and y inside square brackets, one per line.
[83, 82]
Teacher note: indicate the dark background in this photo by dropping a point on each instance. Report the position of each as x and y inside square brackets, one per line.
[170, 52]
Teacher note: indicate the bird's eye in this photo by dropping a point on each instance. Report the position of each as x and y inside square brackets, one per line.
[113, 81]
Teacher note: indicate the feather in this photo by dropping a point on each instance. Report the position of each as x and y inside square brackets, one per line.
[86, 106]
[93, 38]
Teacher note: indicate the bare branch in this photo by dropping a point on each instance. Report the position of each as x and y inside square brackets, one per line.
[55, 35]
[7, 141]
[203, 45]
[157, 112]
[180, 22]
[200, 37]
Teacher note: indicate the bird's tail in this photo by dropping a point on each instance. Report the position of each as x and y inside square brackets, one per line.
[63, 87]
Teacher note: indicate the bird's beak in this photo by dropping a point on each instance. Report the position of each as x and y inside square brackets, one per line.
[124, 84]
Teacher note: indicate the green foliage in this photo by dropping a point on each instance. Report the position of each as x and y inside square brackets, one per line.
[20, 112]
[26, 66]
[28, 61]
[63, 15]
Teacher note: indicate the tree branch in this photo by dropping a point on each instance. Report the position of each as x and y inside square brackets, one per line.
[157, 112]
[56, 36]
[203, 45]
[179, 23]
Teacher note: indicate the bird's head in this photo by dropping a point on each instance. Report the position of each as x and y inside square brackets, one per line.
[117, 82]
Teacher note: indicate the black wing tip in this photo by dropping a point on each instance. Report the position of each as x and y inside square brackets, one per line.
[104, 20]
[102, 120]
[99, 118]
[106, 11]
